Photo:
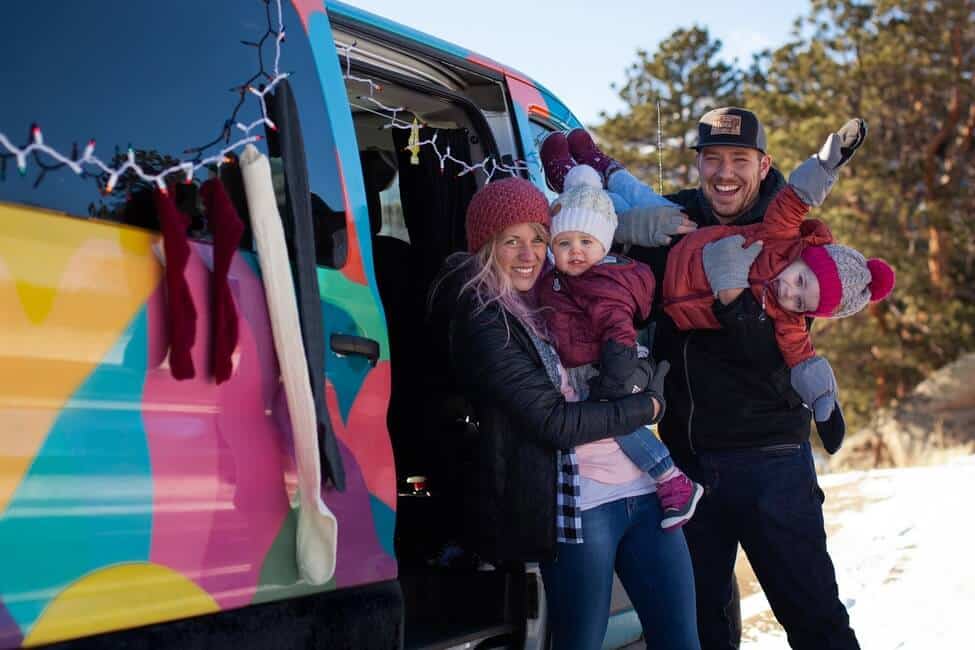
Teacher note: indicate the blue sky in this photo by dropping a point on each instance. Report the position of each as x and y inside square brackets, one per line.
[577, 47]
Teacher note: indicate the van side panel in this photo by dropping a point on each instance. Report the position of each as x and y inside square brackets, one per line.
[128, 497]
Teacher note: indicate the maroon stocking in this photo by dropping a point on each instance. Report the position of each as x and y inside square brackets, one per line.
[180, 313]
[227, 229]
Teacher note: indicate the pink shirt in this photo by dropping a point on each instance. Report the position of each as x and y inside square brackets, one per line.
[603, 460]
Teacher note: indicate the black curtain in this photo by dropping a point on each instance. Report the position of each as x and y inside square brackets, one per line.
[434, 203]
[430, 417]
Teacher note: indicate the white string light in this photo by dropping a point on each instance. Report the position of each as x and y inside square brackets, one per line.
[489, 166]
[188, 168]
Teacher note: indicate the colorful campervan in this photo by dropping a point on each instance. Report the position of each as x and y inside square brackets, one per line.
[192, 452]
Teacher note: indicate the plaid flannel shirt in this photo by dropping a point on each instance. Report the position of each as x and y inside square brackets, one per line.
[568, 516]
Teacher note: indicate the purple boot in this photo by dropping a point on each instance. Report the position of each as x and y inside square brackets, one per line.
[585, 152]
[556, 160]
[678, 496]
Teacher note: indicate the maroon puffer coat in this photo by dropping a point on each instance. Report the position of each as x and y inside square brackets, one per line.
[585, 311]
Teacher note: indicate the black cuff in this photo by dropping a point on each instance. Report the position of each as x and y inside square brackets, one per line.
[663, 405]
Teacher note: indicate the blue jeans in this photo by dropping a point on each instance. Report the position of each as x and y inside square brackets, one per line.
[768, 500]
[653, 565]
[626, 191]
[646, 451]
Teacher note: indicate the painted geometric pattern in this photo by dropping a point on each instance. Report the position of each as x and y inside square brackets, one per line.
[127, 497]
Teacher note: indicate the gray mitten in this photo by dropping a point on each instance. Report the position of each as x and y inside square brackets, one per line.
[813, 379]
[649, 226]
[814, 178]
[726, 263]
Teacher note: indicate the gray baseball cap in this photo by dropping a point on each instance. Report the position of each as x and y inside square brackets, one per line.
[731, 126]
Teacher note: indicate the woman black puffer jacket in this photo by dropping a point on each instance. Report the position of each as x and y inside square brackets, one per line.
[523, 420]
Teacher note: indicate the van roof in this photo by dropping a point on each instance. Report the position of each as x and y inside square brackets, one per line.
[362, 17]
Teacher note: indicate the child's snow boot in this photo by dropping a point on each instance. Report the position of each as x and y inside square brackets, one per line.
[678, 496]
[586, 152]
[556, 160]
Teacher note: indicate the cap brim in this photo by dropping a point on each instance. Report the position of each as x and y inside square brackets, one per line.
[698, 147]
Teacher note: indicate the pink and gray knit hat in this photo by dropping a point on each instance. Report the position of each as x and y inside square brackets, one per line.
[847, 280]
[500, 204]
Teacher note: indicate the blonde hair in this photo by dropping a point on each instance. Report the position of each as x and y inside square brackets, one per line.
[489, 284]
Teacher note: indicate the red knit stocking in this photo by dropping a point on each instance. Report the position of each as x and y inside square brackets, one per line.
[180, 313]
[227, 229]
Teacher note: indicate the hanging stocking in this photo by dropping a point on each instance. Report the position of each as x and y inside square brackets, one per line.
[180, 313]
[227, 229]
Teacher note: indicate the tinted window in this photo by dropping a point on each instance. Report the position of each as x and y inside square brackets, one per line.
[539, 131]
[162, 79]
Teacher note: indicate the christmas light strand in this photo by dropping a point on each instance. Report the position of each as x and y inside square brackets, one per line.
[489, 166]
[76, 163]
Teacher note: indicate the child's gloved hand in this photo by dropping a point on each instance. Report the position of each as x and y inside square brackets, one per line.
[617, 364]
[832, 430]
[813, 379]
[652, 225]
[726, 263]
[814, 178]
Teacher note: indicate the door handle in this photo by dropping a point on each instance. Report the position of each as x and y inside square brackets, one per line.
[348, 344]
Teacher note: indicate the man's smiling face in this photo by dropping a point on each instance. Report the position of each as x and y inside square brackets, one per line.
[730, 178]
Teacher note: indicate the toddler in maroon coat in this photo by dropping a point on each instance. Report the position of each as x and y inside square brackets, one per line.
[590, 301]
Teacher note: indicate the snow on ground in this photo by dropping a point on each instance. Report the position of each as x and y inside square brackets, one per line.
[901, 541]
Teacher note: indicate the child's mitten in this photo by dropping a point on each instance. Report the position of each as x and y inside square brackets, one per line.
[813, 379]
[617, 364]
[814, 178]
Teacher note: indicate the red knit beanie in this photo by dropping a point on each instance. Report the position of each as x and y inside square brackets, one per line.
[501, 204]
[847, 280]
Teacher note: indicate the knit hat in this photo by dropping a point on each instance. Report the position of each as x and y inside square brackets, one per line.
[584, 206]
[500, 204]
[847, 280]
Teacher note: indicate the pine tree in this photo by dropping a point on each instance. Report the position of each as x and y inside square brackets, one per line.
[907, 68]
[687, 78]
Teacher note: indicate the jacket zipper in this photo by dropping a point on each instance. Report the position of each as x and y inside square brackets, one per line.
[780, 447]
[687, 379]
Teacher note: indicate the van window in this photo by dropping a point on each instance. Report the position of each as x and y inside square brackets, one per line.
[539, 131]
[392, 213]
[163, 89]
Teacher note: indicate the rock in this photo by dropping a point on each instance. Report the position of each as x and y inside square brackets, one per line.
[936, 420]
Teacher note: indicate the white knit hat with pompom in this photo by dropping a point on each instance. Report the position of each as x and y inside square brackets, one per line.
[584, 206]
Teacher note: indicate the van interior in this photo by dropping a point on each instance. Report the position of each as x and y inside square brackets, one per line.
[416, 211]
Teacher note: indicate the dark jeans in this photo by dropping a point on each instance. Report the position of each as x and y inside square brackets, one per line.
[653, 565]
[769, 501]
